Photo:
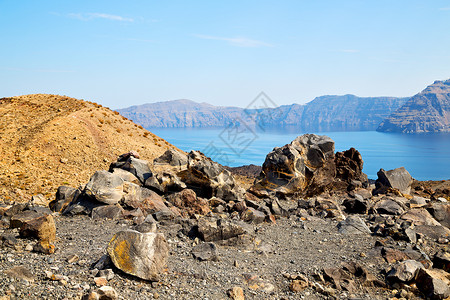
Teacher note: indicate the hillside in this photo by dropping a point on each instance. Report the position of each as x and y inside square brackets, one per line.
[48, 140]
[326, 113]
[428, 111]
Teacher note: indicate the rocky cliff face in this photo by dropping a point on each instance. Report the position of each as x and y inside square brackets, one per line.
[428, 111]
[326, 113]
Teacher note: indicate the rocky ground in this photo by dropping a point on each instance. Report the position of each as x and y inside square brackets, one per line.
[310, 225]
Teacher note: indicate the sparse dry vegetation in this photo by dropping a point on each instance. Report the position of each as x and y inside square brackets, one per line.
[38, 130]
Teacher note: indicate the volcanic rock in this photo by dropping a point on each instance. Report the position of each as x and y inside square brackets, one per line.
[205, 251]
[405, 271]
[140, 254]
[399, 179]
[188, 202]
[135, 166]
[305, 165]
[209, 179]
[173, 158]
[353, 225]
[42, 228]
[349, 165]
[105, 187]
[434, 283]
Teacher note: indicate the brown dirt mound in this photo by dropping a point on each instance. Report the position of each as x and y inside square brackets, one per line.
[49, 140]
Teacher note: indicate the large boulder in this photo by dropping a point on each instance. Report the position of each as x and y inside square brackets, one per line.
[135, 166]
[42, 228]
[143, 255]
[349, 165]
[209, 179]
[305, 165]
[173, 158]
[399, 179]
[105, 187]
[139, 197]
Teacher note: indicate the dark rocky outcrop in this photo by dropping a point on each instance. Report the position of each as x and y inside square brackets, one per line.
[428, 111]
[307, 166]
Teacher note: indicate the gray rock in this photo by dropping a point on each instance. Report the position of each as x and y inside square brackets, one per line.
[418, 200]
[441, 212]
[399, 179]
[107, 273]
[205, 251]
[389, 207]
[220, 229]
[209, 179]
[165, 182]
[140, 254]
[81, 205]
[252, 215]
[172, 157]
[125, 175]
[112, 212]
[105, 187]
[353, 225]
[405, 271]
[135, 166]
[64, 196]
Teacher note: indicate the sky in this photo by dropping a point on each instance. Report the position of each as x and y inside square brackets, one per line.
[123, 53]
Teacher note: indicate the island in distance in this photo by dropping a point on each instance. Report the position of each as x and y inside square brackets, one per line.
[428, 111]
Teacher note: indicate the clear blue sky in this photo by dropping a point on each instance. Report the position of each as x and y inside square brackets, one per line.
[122, 53]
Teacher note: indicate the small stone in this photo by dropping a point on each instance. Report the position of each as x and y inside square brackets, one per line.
[205, 251]
[236, 293]
[72, 258]
[92, 296]
[107, 293]
[107, 273]
[298, 285]
[100, 281]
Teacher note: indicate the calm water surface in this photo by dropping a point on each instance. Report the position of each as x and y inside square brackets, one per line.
[425, 156]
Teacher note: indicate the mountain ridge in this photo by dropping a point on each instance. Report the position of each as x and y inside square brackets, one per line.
[360, 113]
[425, 112]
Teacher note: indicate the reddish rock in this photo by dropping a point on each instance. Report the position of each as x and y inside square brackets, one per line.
[189, 204]
[42, 228]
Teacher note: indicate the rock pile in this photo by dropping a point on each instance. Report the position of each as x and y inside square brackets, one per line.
[190, 207]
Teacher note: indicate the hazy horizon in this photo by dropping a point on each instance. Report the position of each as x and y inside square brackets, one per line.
[121, 54]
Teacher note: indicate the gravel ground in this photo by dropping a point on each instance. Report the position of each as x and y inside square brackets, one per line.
[291, 246]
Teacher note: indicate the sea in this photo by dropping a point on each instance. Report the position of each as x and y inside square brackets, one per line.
[425, 156]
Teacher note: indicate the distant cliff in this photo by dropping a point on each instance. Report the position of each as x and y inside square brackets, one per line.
[326, 113]
[428, 111]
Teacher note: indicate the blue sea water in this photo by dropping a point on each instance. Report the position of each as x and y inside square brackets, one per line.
[425, 156]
